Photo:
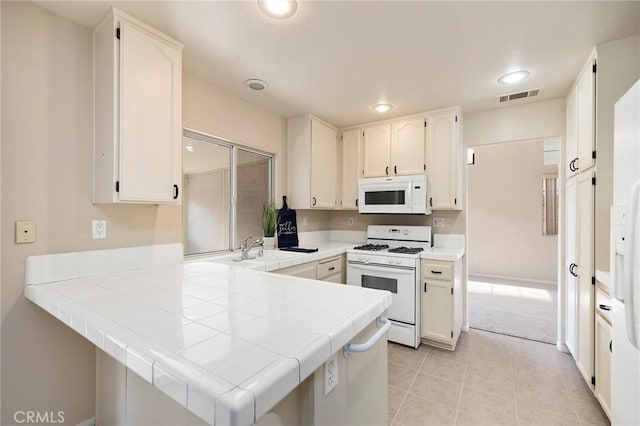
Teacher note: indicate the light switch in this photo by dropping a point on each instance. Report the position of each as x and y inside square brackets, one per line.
[25, 231]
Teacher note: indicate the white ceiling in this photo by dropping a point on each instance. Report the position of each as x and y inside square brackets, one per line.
[337, 58]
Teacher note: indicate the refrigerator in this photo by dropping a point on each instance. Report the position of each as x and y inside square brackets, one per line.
[625, 261]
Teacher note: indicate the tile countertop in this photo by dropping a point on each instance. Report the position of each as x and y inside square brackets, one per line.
[447, 247]
[227, 343]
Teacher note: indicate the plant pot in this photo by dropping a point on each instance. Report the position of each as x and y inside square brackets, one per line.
[269, 242]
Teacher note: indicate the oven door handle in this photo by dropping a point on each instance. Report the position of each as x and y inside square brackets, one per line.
[383, 326]
[382, 268]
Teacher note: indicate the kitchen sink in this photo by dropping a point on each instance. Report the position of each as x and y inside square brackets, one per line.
[269, 256]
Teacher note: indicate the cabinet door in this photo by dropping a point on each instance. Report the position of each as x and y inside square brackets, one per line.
[351, 167]
[323, 165]
[437, 321]
[585, 105]
[408, 147]
[571, 301]
[306, 270]
[585, 317]
[572, 135]
[150, 117]
[442, 160]
[376, 149]
[603, 364]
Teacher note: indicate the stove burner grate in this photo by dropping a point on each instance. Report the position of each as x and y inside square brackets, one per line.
[372, 247]
[407, 250]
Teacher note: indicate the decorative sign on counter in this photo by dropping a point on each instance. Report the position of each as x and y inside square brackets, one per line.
[287, 226]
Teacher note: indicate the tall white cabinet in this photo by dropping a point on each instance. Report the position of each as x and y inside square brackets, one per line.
[444, 156]
[376, 150]
[351, 167]
[312, 163]
[137, 113]
[580, 221]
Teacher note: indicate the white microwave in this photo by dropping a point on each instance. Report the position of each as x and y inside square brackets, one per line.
[397, 195]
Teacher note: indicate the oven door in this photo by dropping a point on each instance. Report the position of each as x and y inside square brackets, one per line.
[385, 195]
[399, 280]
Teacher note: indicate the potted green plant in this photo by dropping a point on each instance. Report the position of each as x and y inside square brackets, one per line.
[269, 217]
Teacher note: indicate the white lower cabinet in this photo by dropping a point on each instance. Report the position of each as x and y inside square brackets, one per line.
[602, 387]
[329, 270]
[441, 303]
[306, 270]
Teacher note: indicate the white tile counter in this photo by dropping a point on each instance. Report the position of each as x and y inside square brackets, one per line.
[228, 343]
[447, 247]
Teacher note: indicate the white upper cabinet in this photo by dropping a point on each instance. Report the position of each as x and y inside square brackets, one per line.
[312, 163]
[581, 141]
[408, 146]
[394, 149]
[138, 113]
[376, 150]
[444, 159]
[351, 167]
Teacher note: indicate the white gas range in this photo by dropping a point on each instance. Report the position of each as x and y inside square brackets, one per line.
[391, 261]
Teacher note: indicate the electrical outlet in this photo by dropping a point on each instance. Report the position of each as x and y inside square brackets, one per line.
[98, 229]
[330, 374]
[25, 231]
[350, 221]
[304, 221]
[438, 222]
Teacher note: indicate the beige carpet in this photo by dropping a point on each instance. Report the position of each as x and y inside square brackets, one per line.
[514, 308]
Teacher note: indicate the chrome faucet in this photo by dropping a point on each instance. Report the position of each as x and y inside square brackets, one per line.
[245, 247]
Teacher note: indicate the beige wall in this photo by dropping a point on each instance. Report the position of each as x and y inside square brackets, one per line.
[46, 177]
[505, 213]
[210, 110]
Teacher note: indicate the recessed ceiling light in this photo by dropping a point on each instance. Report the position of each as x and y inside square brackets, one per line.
[256, 84]
[382, 107]
[513, 77]
[280, 9]
[189, 147]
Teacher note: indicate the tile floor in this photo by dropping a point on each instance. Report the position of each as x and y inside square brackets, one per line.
[490, 379]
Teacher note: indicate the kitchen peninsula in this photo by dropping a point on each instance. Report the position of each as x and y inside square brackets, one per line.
[227, 344]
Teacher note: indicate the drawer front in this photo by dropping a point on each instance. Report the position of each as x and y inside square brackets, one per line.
[329, 267]
[437, 270]
[335, 278]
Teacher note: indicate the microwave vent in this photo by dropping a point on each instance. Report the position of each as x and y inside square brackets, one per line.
[519, 95]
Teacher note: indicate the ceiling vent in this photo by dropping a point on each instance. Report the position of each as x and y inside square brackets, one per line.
[519, 95]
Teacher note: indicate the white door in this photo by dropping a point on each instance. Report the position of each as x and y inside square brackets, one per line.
[323, 165]
[603, 364]
[376, 150]
[437, 300]
[441, 160]
[585, 104]
[408, 147]
[570, 270]
[351, 167]
[572, 134]
[585, 323]
[150, 117]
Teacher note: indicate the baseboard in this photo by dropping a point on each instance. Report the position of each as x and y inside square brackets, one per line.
[562, 347]
[465, 327]
[88, 422]
[516, 279]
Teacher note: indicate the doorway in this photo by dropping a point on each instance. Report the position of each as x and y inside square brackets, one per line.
[513, 239]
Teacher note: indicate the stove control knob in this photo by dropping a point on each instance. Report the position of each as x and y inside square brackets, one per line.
[398, 262]
[390, 261]
[405, 232]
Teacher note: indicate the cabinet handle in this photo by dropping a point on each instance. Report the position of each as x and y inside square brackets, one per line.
[386, 170]
[314, 201]
[356, 202]
[605, 307]
[425, 286]
[430, 202]
[176, 192]
[395, 170]
[610, 344]
[333, 268]
[436, 272]
[572, 270]
[571, 166]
